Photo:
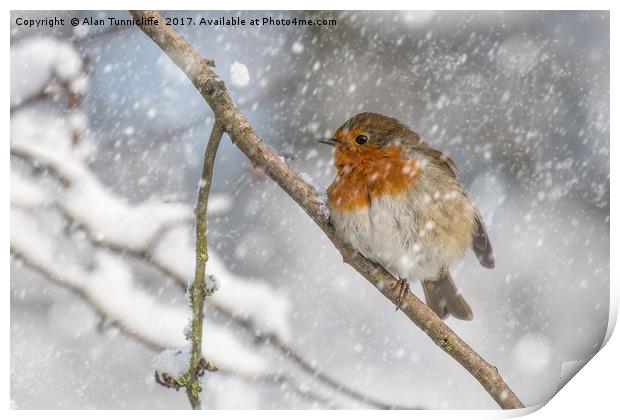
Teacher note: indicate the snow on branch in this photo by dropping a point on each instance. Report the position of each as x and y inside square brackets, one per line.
[26, 194]
[45, 66]
[110, 289]
[213, 90]
[89, 203]
[151, 229]
[155, 325]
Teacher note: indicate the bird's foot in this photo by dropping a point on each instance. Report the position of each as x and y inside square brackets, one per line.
[403, 290]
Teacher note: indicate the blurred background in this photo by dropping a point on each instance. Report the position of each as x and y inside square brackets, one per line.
[107, 137]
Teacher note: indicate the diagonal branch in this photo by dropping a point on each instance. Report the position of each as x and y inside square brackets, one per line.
[243, 136]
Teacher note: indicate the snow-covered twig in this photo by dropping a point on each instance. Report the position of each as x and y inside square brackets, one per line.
[243, 136]
[58, 69]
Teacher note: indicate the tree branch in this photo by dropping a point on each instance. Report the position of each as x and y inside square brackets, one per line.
[199, 289]
[243, 136]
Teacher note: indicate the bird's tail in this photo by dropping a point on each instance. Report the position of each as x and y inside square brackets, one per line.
[444, 299]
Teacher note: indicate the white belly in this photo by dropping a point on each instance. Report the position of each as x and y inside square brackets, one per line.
[397, 232]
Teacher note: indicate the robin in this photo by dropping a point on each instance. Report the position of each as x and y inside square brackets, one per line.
[398, 202]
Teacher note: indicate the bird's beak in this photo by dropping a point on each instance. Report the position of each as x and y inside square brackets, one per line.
[329, 141]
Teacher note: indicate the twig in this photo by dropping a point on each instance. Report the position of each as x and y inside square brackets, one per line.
[169, 381]
[199, 289]
[243, 136]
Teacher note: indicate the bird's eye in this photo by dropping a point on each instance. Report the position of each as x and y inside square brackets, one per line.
[361, 139]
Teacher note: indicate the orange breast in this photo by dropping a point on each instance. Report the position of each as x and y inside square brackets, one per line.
[364, 176]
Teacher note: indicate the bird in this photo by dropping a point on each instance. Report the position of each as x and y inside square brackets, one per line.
[398, 202]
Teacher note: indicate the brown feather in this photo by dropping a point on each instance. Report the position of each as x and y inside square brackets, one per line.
[481, 244]
[444, 299]
[439, 158]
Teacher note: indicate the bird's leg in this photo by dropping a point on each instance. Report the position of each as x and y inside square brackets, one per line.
[403, 290]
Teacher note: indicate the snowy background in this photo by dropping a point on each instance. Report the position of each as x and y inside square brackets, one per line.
[107, 138]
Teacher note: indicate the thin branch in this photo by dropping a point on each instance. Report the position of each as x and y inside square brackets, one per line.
[25, 154]
[32, 99]
[243, 136]
[199, 289]
[53, 90]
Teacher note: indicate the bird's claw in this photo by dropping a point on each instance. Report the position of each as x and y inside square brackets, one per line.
[403, 290]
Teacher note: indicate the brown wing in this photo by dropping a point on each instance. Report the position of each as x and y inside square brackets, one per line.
[481, 244]
[439, 158]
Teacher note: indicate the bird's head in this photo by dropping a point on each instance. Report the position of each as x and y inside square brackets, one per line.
[368, 137]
